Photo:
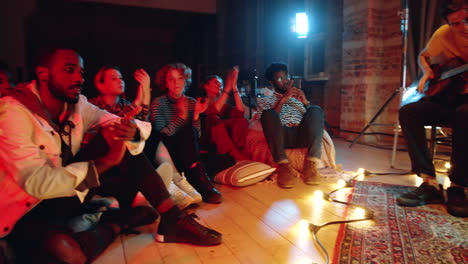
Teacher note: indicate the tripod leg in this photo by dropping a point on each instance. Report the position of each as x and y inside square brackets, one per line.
[395, 143]
[397, 91]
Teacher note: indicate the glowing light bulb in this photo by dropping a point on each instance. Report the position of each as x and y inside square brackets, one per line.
[360, 177]
[318, 195]
[359, 212]
[340, 184]
[447, 165]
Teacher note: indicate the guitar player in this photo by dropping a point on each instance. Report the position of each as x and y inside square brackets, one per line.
[448, 42]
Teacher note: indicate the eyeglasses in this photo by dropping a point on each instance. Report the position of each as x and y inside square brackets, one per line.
[457, 24]
[281, 79]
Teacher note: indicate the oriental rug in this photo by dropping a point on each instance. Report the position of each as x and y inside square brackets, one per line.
[419, 235]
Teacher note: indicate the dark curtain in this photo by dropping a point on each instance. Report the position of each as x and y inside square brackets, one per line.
[423, 21]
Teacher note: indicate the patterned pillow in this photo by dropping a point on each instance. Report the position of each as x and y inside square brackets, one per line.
[244, 173]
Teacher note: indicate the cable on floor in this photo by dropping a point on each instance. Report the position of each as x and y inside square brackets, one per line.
[368, 214]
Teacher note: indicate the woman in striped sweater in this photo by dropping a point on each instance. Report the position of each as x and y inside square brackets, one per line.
[111, 87]
[175, 120]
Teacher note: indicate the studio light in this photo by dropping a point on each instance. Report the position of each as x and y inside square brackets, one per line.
[301, 25]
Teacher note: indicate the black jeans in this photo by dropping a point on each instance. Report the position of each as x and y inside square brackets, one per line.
[133, 174]
[183, 148]
[308, 134]
[431, 111]
[30, 236]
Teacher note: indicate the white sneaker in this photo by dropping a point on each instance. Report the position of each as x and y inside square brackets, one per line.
[166, 172]
[180, 198]
[185, 186]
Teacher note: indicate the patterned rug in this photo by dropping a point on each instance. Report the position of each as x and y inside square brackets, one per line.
[420, 235]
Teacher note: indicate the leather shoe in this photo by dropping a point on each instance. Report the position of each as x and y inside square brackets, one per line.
[457, 204]
[424, 194]
[184, 229]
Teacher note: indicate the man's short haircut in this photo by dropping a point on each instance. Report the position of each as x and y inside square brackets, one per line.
[274, 68]
[46, 55]
[451, 6]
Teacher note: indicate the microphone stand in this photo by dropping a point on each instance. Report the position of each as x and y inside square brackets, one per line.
[252, 92]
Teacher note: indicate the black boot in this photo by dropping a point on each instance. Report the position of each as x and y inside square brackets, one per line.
[199, 180]
[178, 227]
[457, 204]
[424, 194]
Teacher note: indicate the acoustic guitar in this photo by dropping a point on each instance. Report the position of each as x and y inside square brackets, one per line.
[449, 79]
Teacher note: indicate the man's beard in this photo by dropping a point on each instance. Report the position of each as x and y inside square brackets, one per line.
[60, 95]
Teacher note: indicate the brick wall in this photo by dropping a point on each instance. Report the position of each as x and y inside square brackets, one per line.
[333, 57]
[371, 65]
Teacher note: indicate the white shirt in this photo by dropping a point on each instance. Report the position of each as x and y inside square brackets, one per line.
[30, 164]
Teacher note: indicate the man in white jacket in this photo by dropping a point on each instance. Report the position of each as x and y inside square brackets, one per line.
[41, 130]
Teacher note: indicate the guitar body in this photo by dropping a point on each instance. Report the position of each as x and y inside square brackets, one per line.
[440, 83]
[448, 81]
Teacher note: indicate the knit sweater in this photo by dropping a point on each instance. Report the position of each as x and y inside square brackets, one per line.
[164, 118]
[291, 113]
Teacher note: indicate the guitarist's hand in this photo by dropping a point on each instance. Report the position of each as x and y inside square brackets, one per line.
[428, 75]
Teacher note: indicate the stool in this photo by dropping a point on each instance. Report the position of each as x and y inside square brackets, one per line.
[434, 139]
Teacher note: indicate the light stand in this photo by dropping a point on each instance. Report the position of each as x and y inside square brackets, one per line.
[404, 14]
[368, 213]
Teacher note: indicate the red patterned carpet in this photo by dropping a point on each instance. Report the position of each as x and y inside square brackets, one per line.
[422, 235]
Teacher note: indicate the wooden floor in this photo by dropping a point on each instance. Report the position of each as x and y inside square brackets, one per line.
[264, 223]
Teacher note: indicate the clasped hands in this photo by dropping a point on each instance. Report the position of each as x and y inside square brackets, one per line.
[182, 108]
[296, 93]
[115, 135]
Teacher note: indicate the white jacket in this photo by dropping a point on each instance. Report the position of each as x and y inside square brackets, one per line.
[30, 164]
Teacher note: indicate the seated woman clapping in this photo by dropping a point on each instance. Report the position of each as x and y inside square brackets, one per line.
[175, 120]
[224, 125]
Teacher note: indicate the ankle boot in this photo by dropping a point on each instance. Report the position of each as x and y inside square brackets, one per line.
[311, 172]
[200, 181]
[178, 227]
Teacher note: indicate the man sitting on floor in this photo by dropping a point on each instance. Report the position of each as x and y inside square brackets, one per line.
[42, 182]
[289, 121]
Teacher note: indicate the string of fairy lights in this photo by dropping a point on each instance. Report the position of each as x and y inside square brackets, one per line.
[364, 212]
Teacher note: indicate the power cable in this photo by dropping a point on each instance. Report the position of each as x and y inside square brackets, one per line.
[368, 214]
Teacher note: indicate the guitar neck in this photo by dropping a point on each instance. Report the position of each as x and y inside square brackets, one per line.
[453, 72]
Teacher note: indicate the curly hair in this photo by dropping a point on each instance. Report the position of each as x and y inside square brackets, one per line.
[451, 6]
[160, 80]
[274, 68]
